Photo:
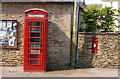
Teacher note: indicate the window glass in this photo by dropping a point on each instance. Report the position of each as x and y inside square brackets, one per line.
[34, 62]
[35, 23]
[35, 29]
[35, 45]
[35, 50]
[34, 56]
[35, 40]
[35, 34]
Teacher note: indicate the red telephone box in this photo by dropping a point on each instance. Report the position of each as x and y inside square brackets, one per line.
[35, 40]
[94, 45]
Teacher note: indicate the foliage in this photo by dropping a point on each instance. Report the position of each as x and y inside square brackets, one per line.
[99, 19]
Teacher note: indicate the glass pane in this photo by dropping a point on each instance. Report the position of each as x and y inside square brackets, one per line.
[38, 29]
[35, 45]
[34, 62]
[35, 34]
[34, 23]
[34, 56]
[35, 40]
[35, 50]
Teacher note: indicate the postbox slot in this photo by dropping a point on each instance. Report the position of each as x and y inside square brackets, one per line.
[38, 51]
[35, 45]
[35, 23]
[35, 40]
[36, 29]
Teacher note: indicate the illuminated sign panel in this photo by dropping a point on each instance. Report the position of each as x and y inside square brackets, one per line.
[35, 15]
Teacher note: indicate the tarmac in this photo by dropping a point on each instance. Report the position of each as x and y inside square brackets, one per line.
[92, 72]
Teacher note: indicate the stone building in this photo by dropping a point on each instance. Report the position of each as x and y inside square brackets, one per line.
[60, 20]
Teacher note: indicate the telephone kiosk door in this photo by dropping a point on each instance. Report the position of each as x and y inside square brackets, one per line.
[35, 40]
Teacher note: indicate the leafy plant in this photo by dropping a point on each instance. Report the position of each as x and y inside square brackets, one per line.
[99, 19]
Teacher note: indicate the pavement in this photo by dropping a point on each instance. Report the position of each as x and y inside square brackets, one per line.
[92, 72]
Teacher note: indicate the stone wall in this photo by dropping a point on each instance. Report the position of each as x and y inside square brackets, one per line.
[59, 30]
[59, 34]
[107, 56]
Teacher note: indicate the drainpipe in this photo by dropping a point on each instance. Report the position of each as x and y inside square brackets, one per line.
[77, 33]
[73, 39]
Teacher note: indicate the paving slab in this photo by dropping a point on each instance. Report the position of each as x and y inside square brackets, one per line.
[92, 72]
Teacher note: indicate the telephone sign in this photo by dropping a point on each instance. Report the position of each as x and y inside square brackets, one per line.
[35, 15]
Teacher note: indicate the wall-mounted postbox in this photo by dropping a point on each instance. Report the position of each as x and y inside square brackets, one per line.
[35, 40]
[94, 45]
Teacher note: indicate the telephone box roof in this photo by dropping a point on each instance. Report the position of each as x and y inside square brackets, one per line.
[34, 9]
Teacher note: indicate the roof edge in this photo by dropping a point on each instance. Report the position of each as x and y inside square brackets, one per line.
[37, 0]
[109, 0]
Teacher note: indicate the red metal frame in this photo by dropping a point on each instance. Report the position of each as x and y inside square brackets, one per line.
[94, 45]
[35, 62]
